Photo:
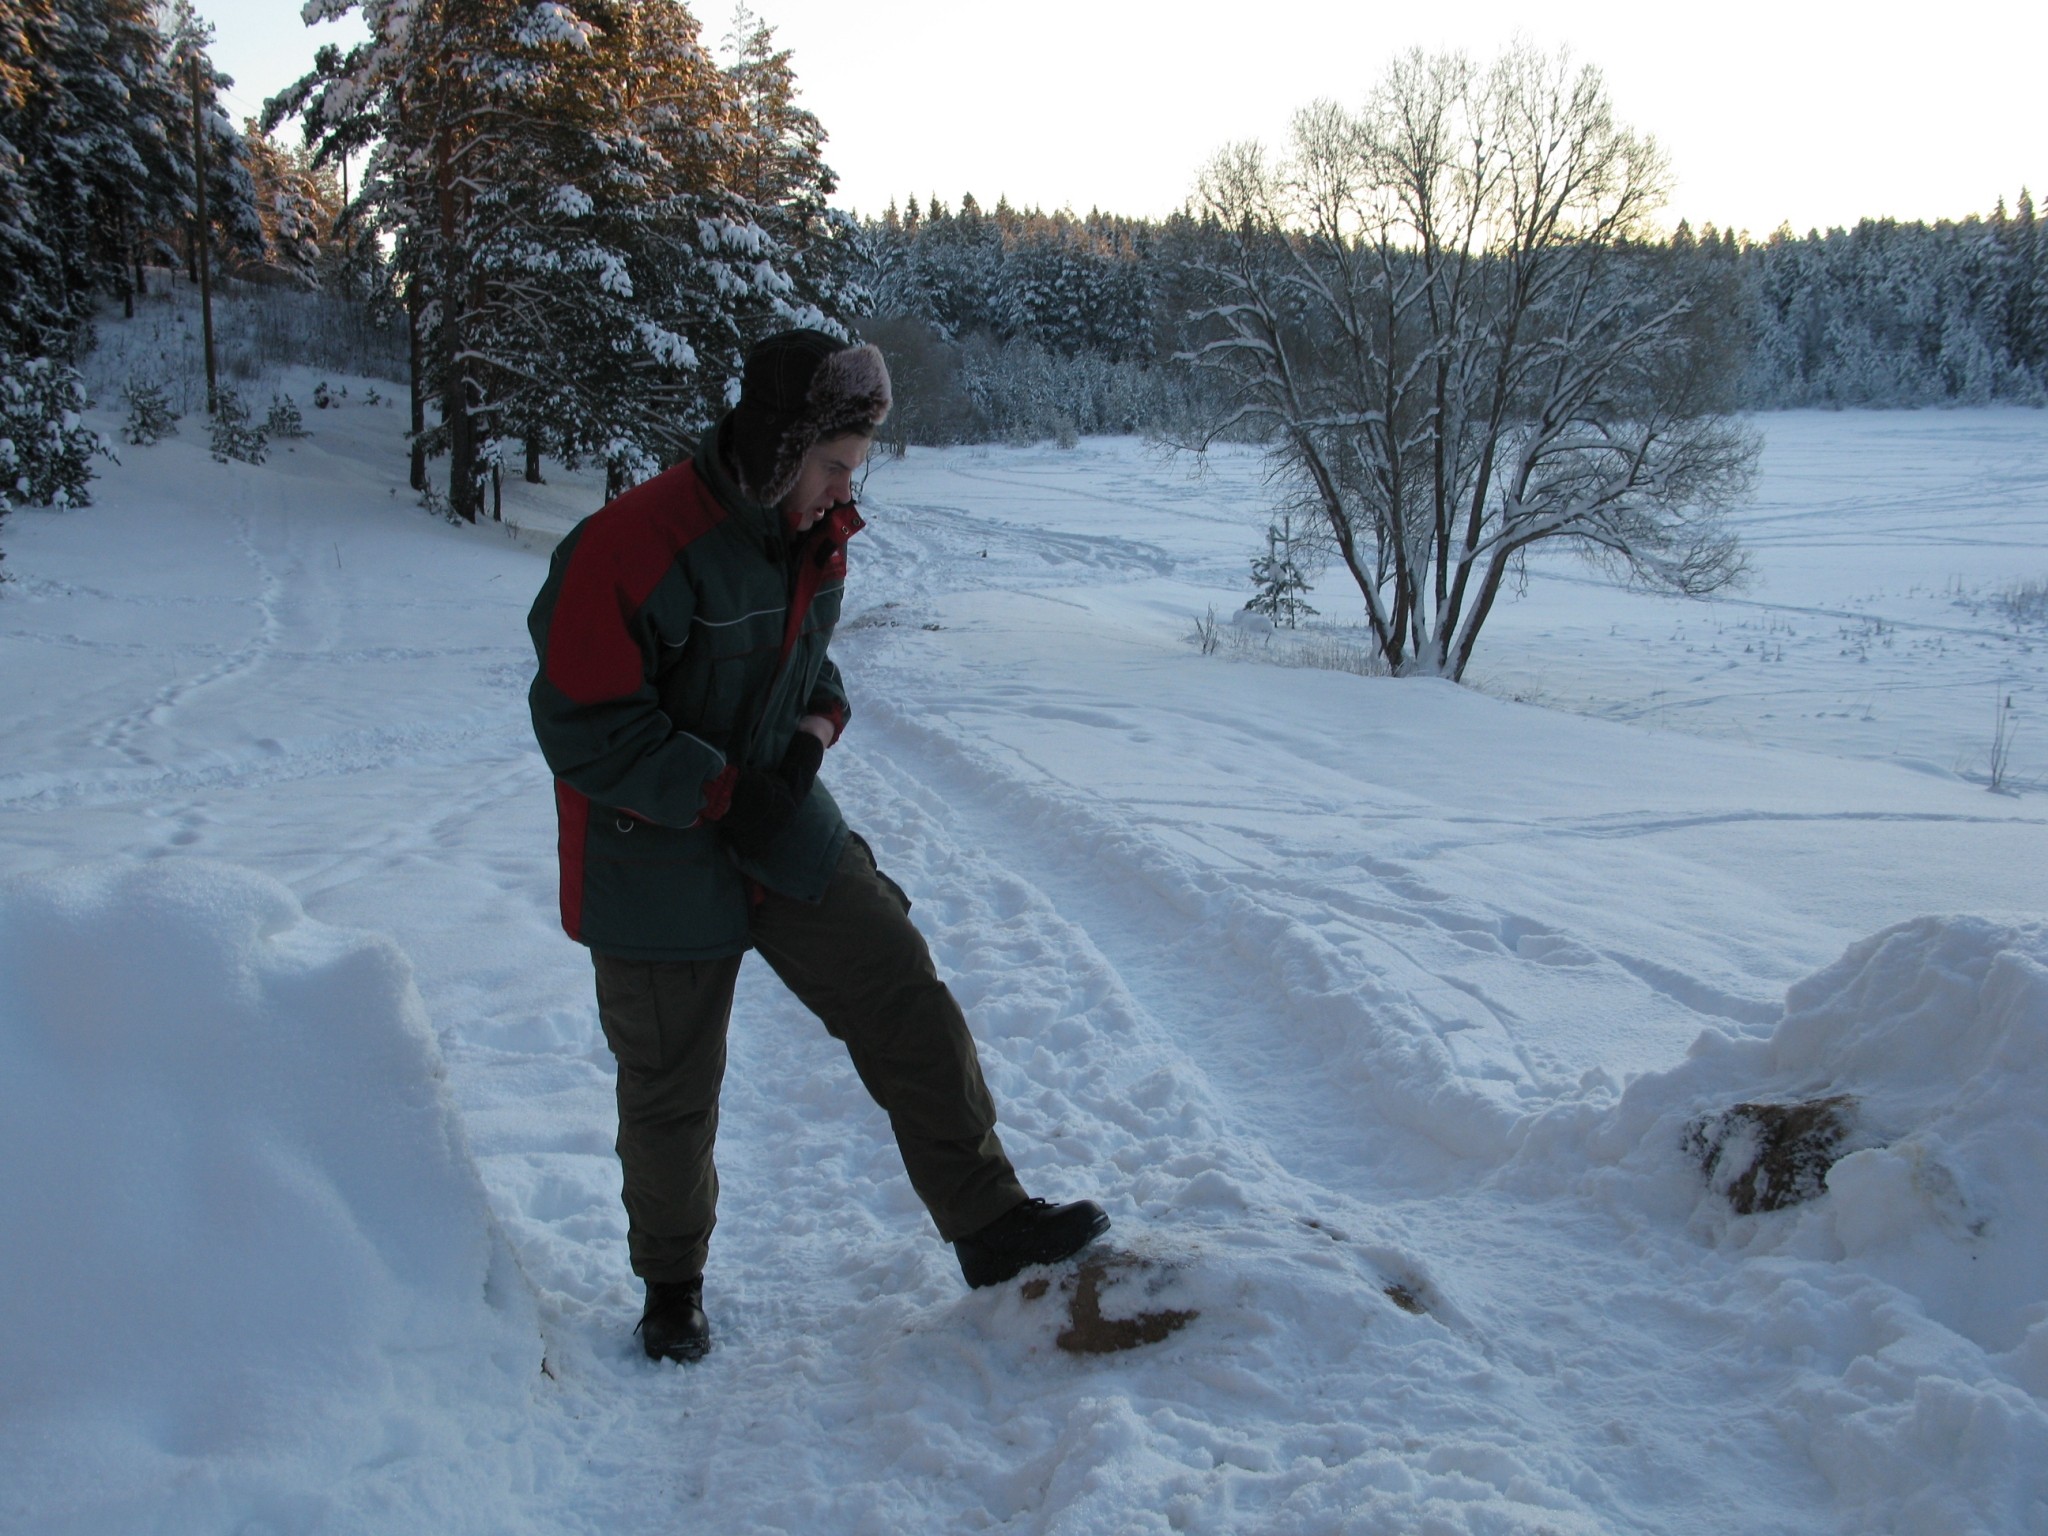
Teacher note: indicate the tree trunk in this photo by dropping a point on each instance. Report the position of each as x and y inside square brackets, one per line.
[463, 489]
[201, 241]
[414, 373]
[462, 466]
[533, 459]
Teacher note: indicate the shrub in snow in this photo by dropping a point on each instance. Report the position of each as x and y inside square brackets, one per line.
[284, 419]
[322, 397]
[46, 449]
[431, 500]
[2026, 602]
[1764, 1157]
[150, 417]
[234, 436]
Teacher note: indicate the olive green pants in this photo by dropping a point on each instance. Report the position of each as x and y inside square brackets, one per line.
[856, 961]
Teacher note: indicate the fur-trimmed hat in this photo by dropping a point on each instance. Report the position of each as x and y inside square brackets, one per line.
[801, 388]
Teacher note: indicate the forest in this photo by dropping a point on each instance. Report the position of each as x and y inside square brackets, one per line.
[565, 225]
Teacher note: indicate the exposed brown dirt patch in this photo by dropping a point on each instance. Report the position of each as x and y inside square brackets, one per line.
[1089, 1331]
[1405, 1299]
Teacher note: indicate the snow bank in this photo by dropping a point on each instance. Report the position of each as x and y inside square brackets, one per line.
[1904, 1310]
[248, 1255]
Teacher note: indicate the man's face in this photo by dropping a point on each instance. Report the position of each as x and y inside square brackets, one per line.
[825, 481]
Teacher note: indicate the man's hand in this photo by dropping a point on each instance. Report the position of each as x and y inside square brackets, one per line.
[764, 801]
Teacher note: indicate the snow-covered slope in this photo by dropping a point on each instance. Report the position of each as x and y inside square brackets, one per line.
[1379, 1013]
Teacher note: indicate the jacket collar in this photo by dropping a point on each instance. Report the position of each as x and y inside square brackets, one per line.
[761, 522]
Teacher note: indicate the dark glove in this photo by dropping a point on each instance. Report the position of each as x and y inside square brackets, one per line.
[765, 800]
[801, 760]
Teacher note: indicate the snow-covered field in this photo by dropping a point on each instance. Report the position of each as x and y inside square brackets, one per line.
[1377, 1012]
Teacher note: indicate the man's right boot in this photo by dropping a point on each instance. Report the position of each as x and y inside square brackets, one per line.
[673, 1326]
[1036, 1232]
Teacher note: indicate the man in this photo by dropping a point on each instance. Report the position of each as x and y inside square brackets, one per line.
[685, 702]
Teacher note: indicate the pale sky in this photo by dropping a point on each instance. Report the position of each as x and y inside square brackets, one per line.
[1788, 111]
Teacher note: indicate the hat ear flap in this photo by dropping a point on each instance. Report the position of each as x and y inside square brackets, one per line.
[844, 389]
[850, 391]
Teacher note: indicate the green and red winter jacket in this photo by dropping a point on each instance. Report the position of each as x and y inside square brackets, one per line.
[681, 634]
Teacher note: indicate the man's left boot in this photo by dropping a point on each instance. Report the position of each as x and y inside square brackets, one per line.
[673, 1326]
[1036, 1232]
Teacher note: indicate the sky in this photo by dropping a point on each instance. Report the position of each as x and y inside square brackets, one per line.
[1787, 112]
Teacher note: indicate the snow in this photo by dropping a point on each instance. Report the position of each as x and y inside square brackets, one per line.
[232, 1171]
[1375, 1011]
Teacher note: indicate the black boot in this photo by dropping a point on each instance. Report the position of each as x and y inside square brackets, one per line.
[1036, 1232]
[673, 1326]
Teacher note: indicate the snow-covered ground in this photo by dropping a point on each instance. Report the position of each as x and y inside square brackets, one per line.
[1379, 1013]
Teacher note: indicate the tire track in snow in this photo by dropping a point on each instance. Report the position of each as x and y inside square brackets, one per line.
[1206, 1105]
[1383, 1028]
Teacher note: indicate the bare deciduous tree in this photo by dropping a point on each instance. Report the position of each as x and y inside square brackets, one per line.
[1439, 313]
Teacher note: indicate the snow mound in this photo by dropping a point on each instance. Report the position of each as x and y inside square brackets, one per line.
[1941, 1028]
[245, 1236]
[1907, 1293]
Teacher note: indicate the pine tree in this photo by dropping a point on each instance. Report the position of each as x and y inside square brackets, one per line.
[300, 207]
[1282, 587]
[46, 450]
[590, 219]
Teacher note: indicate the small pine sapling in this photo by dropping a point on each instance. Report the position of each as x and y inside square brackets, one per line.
[234, 435]
[431, 500]
[46, 449]
[150, 417]
[321, 397]
[1277, 578]
[284, 419]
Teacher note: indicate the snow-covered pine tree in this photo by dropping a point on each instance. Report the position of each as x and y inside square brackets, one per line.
[89, 168]
[150, 417]
[234, 435]
[235, 224]
[559, 186]
[46, 449]
[32, 299]
[1281, 587]
[300, 206]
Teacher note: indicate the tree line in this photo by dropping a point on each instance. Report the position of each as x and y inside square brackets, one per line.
[1884, 314]
[1448, 313]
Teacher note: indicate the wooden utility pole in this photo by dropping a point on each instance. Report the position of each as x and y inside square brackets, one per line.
[201, 235]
